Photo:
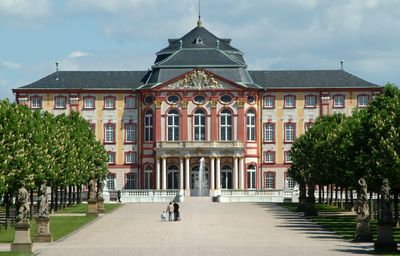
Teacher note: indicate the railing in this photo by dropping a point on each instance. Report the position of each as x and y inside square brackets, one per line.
[136, 196]
[196, 144]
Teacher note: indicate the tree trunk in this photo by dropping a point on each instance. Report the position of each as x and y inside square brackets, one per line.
[79, 195]
[331, 197]
[371, 205]
[56, 199]
[336, 196]
[346, 190]
[52, 200]
[327, 193]
[323, 194]
[396, 207]
[31, 206]
[319, 194]
[7, 201]
[341, 198]
[65, 197]
[73, 195]
[351, 199]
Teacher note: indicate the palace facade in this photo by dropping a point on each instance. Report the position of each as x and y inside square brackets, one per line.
[199, 100]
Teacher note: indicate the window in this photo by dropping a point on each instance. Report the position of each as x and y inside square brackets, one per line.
[251, 125]
[199, 99]
[130, 181]
[226, 125]
[130, 133]
[173, 177]
[290, 101]
[226, 99]
[290, 183]
[338, 101]
[362, 101]
[270, 133]
[288, 157]
[111, 157]
[173, 125]
[251, 99]
[92, 126]
[109, 102]
[226, 177]
[290, 132]
[148, 99]
[130, 102]
[148, 177]
[109, 133]
[130, 157]
[173, 99]
[148, 126]
[270, 157]
[270, 180]
[60, 102]
[251, 177]
[36, 102]
[88, 103]
[269, 101]
[110, 181]
[310, 101]
[307, 126]
[199, 125]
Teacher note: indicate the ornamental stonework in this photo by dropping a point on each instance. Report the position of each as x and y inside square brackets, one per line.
[198, 79]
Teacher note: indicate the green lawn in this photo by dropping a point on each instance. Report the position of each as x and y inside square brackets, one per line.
[82, 208]
[14, 254]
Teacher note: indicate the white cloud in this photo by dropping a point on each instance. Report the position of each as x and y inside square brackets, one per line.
[9, 64]
[26, 9]
[79, 54]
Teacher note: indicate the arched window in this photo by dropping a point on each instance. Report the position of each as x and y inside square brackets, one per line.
[226, 177]
[130, 181]
[148, 177]
[173, 125]
[148, 126]
[251, 125]
[251, 177]
[199, 125]
[173, 177]
[226, 125]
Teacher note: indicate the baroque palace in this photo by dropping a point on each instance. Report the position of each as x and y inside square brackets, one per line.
[199, 100]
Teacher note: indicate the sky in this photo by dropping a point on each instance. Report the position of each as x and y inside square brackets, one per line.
[126, 34]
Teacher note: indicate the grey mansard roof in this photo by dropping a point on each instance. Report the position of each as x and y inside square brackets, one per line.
[90, 80]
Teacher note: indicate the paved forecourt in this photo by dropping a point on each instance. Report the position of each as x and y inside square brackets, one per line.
[206, 229]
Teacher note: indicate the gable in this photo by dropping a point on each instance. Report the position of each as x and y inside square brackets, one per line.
[199, 79]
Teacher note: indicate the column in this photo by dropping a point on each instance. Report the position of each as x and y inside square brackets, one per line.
[164, 173]
[187, 173]
[158, 174]
[181, 170]
[241, 173]
[241, 123]
[212, 180]
[184, 121]
[218, 176]
[214, 120]
[158, 120]
[235, 173]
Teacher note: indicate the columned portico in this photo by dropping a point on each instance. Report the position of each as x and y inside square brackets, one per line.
[235, 173]
[241, 173]
[158, 174]
[218, 174]
[187, 175]
[164, 173]
[181, 170]
[212, 173]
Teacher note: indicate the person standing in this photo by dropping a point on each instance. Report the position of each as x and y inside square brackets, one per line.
[170, 210]
[119, 196]
[176, 212]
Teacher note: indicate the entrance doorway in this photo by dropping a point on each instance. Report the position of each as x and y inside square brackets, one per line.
[226, 177]
[199, 186]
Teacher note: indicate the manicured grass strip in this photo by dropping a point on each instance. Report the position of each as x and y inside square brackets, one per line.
[320, 207]
[111, 207]
[14, 254]
[63, 225]
[59, 226]
[82, 208]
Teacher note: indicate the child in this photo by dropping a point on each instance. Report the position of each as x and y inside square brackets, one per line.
[163, 216]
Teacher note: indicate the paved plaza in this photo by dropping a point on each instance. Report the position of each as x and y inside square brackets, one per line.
[206, 229]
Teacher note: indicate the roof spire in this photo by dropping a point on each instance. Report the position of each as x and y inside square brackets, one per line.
[199, 22]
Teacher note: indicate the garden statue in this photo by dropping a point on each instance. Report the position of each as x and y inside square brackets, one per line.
[22, 204]
[385, 209]
[92, 189]
[362, 207]
[100, 186]
[43, 199]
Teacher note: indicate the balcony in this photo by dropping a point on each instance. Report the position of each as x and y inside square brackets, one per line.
[199, 148]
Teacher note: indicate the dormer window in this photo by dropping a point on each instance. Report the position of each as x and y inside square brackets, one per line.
[199, 40]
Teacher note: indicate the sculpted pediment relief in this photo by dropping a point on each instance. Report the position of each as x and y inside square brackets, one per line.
[198, 79]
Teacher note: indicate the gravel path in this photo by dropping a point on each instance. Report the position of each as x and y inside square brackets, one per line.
[206, 229]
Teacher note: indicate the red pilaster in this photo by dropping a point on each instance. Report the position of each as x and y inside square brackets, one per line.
[158, 119]
[214, 120]
[184, 125]
[241, 120]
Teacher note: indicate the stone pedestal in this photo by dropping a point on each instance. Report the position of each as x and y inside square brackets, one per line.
[42, 231]
[363, 233]
[100, 205]
[22, 239]
[385, 242]
[92, 207]
[295, 197]
[187, 192]
[106, 196]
